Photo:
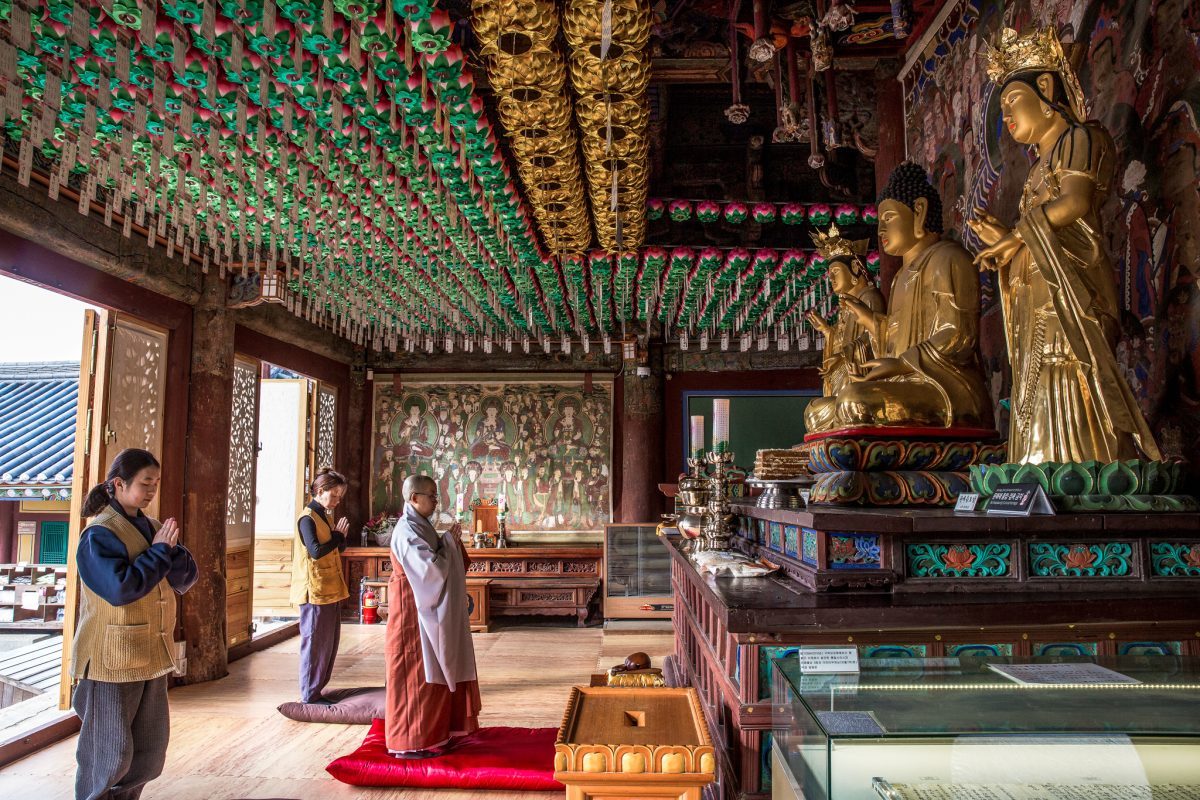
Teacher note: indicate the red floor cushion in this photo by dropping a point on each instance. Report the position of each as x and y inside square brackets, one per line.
[490, 758]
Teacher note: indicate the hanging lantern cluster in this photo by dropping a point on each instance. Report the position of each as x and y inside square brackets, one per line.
[526, 70]
[736, 212]
[610, 70]
[339, 146]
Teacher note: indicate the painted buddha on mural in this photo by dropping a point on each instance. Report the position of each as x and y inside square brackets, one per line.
[925, 369]
[1070, 400]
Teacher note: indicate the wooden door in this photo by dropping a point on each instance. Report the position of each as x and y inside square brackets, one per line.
[135, 390]
[284, 463]
[239, 506]
[122, 378]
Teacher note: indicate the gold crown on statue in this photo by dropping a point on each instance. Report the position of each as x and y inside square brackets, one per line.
[832, 244]
[1040, 51]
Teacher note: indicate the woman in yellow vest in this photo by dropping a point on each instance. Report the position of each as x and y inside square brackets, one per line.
[318, 585]
[130, 568]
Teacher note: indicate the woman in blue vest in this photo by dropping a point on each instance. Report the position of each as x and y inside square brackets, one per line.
[318, 585]
[130, 568]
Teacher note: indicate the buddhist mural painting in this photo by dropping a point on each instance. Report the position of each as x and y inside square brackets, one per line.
[544, 447]
[1139, 67]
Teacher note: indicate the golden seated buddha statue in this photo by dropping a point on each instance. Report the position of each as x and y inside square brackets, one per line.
[925, 371]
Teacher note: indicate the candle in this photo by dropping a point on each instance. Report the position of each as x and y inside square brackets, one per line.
[697, 433]
[720, 423]
[479, 526]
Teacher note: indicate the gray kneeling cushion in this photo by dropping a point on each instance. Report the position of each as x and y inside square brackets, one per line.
[348, 707]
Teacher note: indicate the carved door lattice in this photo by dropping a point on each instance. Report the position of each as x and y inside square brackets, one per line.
[326, 426]
[137, 382]
[243, 445]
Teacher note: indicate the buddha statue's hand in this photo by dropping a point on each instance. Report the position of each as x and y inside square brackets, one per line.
[989, 229]
[818, 322]
[866, 317]
[1000, 253]
[881, 369]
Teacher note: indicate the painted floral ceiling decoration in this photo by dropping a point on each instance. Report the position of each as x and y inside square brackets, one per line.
[342, 145]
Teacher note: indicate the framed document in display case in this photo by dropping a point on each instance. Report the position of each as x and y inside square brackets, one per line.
[989, 728]
[637, 573]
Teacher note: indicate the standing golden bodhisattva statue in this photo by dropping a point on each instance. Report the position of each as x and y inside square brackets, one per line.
[926, 370]
[847, 342]
[1070, 401]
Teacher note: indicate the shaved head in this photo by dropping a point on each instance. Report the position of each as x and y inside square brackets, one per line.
[418, 483]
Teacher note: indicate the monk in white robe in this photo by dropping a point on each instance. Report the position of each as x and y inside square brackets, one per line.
[432, 688]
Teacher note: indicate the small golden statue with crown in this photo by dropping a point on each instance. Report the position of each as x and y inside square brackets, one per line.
[847, 342]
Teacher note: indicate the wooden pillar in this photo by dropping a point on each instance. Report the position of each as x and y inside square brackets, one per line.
[889, 110]
[8, 531]
[642, 441]
[354, 452]
[210, 415]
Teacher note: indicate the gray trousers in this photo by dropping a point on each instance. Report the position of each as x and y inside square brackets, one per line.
[320, 633]
[123, 737]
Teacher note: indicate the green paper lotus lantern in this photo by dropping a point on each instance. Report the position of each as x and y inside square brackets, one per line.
[445, 65]
[324, 44]
[302, 13]
[431, 34]
[185, 12]
[357, 10]
[244, 12]
[271, 47]
[763, 213]
[194, 75]
[376, 40]
[414, 10]
[127, 14]
[391, 70]
[708, 211]
[680, 211]
[736, 212]
[339, 70]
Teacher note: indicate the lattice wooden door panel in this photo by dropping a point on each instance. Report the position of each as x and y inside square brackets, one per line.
[239, 504]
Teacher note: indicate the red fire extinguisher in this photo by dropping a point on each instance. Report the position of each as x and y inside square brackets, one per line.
[370, 606]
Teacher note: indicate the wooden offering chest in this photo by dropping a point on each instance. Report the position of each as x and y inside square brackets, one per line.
[624, 743]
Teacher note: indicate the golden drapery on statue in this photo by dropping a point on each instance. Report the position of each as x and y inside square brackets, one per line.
[1070, 401]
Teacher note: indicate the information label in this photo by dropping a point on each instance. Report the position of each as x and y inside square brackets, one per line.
[824, 660]
[967, 501]
[1019, 500]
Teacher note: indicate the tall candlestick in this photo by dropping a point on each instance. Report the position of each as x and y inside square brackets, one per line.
[720, 423]
[697, 443]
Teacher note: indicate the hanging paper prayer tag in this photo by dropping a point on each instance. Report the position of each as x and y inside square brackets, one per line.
[149, 22]
[80, 24]
[20, 27]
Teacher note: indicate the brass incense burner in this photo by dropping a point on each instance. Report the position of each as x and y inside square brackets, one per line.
[704, 518]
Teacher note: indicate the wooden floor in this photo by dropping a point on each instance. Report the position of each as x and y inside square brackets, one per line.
[228, 741]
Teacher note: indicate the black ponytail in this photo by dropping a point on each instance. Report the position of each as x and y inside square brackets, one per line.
[125, 466]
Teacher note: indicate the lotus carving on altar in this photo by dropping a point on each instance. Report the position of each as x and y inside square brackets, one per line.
[1080, 557]
[959, 557]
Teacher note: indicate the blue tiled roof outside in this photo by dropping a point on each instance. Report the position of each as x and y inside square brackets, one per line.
[37, 429]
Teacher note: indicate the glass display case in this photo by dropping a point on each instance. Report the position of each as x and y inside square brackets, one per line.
[1122, 728]
[637, 573]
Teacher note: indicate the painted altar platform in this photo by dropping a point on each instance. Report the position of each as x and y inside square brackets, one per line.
[938, 550]
[897, 466]
[729, 630]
